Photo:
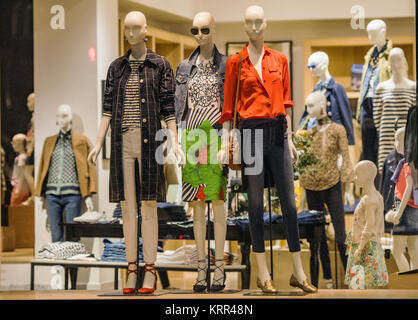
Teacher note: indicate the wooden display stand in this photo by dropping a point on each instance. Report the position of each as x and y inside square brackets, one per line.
[8, 239]
[174, 47]
[21, 219]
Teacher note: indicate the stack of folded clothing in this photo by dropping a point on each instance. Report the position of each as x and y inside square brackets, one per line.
[179, 256]
[170, 212]
[116, 251]
[228, 257]
[61, 250]
[117, 213]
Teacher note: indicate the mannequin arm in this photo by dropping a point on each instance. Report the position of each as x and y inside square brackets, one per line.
[395, 216]
[348, 194]
[223, 151]
[104, 125]
[293, 152]
[370, 208]
[172, 126]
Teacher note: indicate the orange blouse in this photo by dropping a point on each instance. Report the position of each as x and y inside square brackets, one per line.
[258, 98]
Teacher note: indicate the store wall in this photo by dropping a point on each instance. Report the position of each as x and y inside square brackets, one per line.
[69, 66]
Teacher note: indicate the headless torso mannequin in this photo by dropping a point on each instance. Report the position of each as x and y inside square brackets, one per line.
[363, 242]
[135, 30]
[392, 97]
[402, 239]
[204, 20]
[255, 24]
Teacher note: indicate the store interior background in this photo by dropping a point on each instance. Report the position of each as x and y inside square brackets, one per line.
[63, 73]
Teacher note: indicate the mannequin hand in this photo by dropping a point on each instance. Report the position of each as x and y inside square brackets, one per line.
[222, 156]
[91, 159]
[42, 205]
[357, 254]
[89, 203]
[349, 199]
[180, 157]
[293, 152]
[42, 209]
[390, 216]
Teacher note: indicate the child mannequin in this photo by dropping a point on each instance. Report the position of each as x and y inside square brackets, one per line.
[363, 241]
[21, 189]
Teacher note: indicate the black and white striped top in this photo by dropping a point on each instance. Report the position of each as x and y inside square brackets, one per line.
[131, 106]
[390, 105]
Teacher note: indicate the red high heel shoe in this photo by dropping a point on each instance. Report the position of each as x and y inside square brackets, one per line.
[131, 290]
[149, 268]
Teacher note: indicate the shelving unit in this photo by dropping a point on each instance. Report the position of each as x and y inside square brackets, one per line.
[174, 47]
[343, 52]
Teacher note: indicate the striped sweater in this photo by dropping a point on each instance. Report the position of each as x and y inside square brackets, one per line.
[390, 107]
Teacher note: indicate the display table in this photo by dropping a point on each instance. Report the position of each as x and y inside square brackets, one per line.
[313, 231]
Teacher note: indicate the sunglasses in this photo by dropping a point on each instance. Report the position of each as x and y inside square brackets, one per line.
[311, 66]
[195, 31]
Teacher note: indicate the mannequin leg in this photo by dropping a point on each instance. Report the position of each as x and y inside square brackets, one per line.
[399, 243]
[199, 229]
[129, 206]
[413, 251]
[219, 221]
[263, 272]
[149, 230]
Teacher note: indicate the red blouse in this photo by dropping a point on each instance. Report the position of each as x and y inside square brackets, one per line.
[258, 98]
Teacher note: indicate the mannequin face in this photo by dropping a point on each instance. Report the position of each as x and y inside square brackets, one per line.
[135, 27]
[255, 23]
[31, 102]
[365, 171]
[316, 105]
[203, 28]
[318, 63]
[397, 60]
[399, 140]
[376, 30]
[64, 117]
[19, 143]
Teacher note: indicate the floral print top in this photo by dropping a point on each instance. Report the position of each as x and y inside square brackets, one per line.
[326, 146]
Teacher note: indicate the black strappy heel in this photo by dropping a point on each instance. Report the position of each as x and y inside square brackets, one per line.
[219, 287]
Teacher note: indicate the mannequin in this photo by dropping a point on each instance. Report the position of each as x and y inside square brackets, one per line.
[149, 79]
[30, 149]
[64, 177]
[404, 218]
[363, 241]
[391, 103]
[20, 191]
[264, 71]
[202, 74]
[338, 106]
[375, 70]
[323, 182]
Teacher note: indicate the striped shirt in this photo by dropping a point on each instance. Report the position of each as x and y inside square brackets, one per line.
[131, 106]
[390, 107]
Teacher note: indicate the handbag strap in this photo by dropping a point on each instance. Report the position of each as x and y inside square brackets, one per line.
[237, 91]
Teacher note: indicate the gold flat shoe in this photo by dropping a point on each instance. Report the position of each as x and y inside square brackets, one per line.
[305, 286]
[267, 287]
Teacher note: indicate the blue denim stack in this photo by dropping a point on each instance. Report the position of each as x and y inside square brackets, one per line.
[116, 251]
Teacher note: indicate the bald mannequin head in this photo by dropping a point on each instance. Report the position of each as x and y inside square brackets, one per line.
[365, 172]
[318, 63]
[316, 105]
[64, 117]
[397, 61]
[19, 143]
[376, 30]
[135, 25]
[255, 22]
[31, 102]
[202, 21]
[399, 140]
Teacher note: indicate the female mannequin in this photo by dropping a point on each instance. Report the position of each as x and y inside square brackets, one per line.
[148, 79]
[405, 218]
[264, 94]
[323, 181]
[202, 75]
[375, 70]
[338, 106]
[391, 103]
[30, 149]
[363, 241]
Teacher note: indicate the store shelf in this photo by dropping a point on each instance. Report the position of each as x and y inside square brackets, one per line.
[353, 94]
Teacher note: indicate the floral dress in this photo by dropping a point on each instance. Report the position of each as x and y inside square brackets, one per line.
[371, 260]
[203, 178]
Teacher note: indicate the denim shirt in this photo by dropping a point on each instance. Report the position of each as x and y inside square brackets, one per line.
[338, 109]
[187, 69]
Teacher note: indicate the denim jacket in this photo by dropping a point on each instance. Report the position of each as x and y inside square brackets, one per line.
[187, 69]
